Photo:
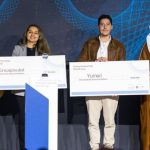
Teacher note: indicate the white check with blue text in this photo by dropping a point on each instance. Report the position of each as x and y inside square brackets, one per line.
[109, 78]
[15, 72]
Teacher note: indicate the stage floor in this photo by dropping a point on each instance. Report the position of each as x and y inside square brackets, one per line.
[70, 136]
[75, 137]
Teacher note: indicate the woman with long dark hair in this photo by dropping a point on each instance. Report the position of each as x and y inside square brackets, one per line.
[33, 43]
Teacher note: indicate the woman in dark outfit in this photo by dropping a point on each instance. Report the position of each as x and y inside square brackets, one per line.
[33, 43]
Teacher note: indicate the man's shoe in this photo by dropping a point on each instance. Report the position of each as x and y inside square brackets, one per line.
[106, 148]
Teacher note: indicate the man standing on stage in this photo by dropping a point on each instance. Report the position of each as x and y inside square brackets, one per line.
[101, 49]
[145, 104]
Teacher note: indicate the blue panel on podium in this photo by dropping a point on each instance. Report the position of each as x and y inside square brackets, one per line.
[36, 120]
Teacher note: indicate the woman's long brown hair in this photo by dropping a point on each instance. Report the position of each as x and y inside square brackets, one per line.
[41, 45]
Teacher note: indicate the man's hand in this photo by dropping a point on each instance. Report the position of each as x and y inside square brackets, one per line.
[101, 59]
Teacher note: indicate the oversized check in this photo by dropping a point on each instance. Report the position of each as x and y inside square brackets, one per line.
[15, 72]
[109, 78]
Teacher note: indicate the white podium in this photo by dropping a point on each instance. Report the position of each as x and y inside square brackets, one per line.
[40, 76]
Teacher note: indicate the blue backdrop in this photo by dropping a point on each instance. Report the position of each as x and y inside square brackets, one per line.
[67, 24]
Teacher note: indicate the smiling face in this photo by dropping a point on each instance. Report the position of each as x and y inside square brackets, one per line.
[32, 35]
[105, 27]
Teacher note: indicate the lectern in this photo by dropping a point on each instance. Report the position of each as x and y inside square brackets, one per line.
[40, 77]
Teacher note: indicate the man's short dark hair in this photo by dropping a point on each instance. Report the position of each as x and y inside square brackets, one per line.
[104, 17]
